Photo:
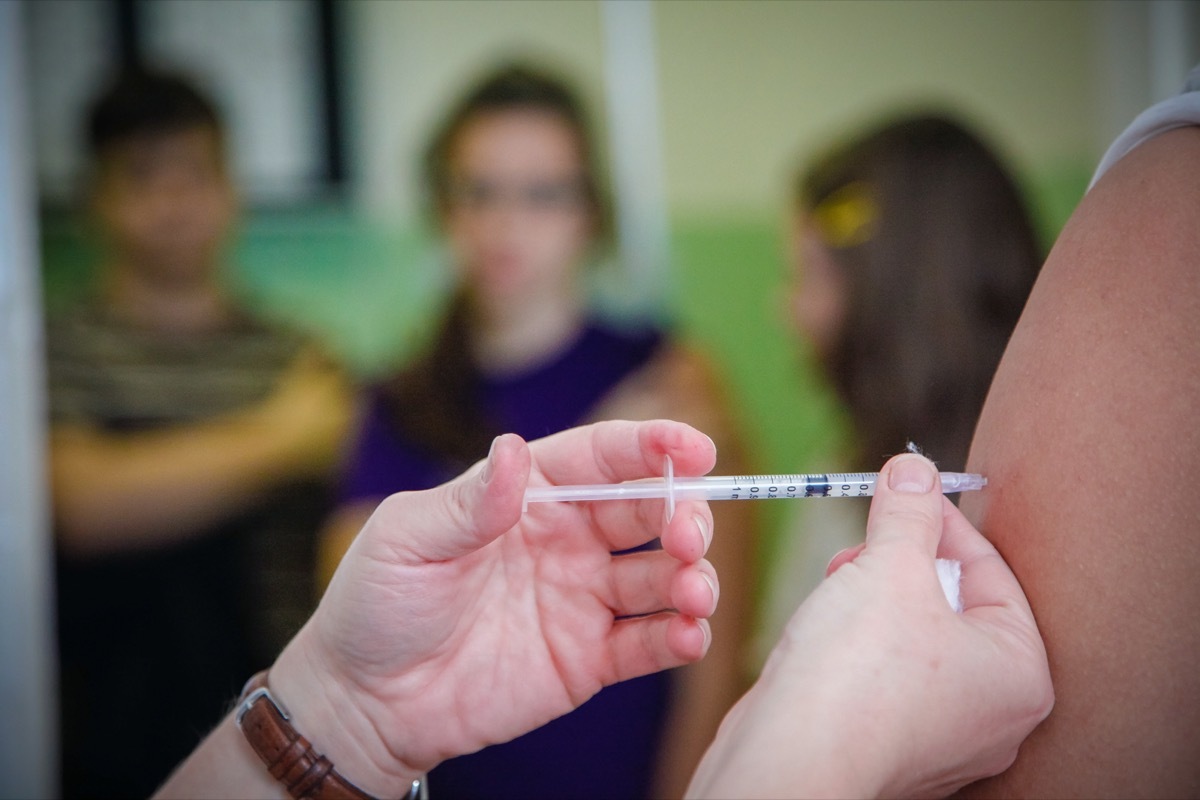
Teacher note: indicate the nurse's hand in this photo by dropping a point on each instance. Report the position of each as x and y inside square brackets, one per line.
[877, 687]
[455, 621]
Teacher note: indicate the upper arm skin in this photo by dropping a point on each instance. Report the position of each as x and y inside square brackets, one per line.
[1090, 442]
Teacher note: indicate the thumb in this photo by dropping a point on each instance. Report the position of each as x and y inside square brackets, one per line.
[907, 506]
[469, 512]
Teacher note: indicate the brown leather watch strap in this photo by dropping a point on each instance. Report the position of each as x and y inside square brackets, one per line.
[290, 757]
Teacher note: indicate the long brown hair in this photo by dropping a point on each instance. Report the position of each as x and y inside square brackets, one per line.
[517, 87]
[938, 255]
[433, 401]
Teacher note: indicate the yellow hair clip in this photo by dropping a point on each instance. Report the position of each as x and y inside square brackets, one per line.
[847, 216]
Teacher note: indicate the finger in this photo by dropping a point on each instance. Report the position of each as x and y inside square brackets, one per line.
[907, 507]
[696, 591]
[625, 524]
[615, 451]
[461, 516]
[986, 578]
[689, 533]
[648, 582]
[843, 557]
[960, 540]
[651, 644]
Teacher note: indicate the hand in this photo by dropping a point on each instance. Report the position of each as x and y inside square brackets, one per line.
[454, 621]
[308, 415]
[877, 687]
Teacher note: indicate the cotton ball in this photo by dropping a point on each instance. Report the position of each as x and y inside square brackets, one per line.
[949, 573]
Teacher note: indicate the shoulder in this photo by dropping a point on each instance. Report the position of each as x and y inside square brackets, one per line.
[681, 382]
[75, 326]
[682, 371]
[1180, 111]
[81, 345]
[1094, 401]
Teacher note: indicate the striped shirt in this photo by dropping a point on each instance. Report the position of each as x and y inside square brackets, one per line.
[116, 376]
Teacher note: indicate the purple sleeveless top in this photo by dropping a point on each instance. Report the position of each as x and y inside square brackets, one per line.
[608, 747]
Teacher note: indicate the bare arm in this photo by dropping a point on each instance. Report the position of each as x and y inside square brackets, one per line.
[682, 385]
[222, 766]
[118, 491]
[1090, 442]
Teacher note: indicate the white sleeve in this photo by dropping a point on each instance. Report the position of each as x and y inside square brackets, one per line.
[1179, 111]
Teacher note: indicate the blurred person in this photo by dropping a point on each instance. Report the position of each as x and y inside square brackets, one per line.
[899, 695]
[190, 445]
[517, 194]
[913, 254]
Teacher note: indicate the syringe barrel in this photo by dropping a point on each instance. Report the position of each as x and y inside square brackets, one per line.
[740, 487]
[773, 487]
[835, 484]
[633, 490]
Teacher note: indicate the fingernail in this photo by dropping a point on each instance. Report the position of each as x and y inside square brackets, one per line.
[911, 474]
[712, 587]
[485, 475]
[841, 558]
[705, 531]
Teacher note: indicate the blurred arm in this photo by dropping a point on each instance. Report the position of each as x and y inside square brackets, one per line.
[337, 535]
[680, 384]
[1090, 442]
[117, 491]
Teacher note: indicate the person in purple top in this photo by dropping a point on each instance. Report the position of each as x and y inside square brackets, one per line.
[519, 201]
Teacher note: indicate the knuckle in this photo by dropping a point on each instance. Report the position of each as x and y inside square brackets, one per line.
[458, 508]
[910, 515]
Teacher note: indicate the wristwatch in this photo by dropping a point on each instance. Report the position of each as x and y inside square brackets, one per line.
[290, 758]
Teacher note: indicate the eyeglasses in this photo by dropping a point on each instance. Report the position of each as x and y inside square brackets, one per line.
[550, 196]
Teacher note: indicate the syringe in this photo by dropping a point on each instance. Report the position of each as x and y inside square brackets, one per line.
[737, 487]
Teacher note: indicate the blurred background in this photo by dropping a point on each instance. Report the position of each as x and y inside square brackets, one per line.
[704, 109]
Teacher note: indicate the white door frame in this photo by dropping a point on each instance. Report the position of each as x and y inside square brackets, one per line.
[28, 673]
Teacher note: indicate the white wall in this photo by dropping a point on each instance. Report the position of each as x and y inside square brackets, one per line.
[749, 87]
[1143, 50]
[27, 674]
[744, 85]
[409, 60]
